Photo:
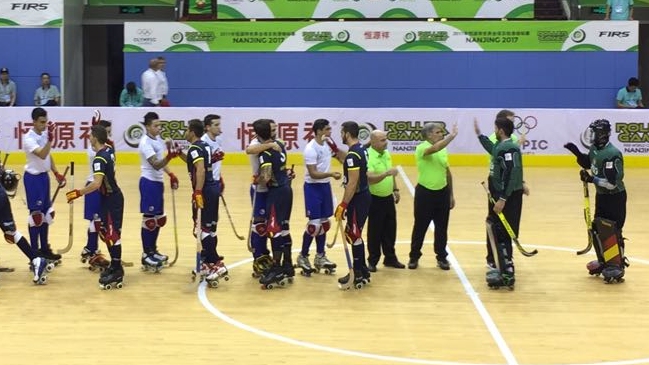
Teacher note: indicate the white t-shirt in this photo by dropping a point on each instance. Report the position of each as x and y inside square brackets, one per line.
[319, 155]
[215, 145]
[254, 163]
[151, 147]
[91, 157]
[35, 165]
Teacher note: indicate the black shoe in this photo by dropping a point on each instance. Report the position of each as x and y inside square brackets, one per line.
[395, 264]
[413, 263]
[371, 268]
[443, 264]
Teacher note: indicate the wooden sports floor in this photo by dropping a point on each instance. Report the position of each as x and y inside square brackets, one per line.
[556, 315]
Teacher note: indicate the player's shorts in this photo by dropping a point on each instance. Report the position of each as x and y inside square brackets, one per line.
[112, 206]
[259, 200]
[210, 211]
[91, 204]
[280, 201]
[151, 197]
[318, 201]
[37, 190]
[358, 209]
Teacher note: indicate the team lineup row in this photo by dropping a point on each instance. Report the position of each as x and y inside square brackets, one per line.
[370, 194]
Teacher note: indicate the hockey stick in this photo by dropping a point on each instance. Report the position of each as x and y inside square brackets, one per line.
[173, 205]
[587, 220]
[350, 282]
[7, 269]
[227, 211]
[70, 213]
[199, 247]
[509, 229]
[58, 187]
[252, 220]
[333, 243]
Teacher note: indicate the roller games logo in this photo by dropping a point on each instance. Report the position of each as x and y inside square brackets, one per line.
[405, 135]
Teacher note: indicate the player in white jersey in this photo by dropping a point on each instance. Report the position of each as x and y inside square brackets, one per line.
[37, 144]
[152, 164]
[317, 197]
[212, 137]
[91, 210]
[258, 194]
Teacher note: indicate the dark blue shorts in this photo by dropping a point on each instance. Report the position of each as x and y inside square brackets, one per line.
[112, 206]
[318, 201]
[37, 190]
[151, 197]
[358, 209]
[280, 202]
[210, 211]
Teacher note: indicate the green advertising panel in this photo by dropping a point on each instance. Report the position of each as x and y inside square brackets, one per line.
[132, 2]
[359, 9]
[300, 36]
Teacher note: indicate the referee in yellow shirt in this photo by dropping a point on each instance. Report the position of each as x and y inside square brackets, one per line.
[433, 194]
[382, 220]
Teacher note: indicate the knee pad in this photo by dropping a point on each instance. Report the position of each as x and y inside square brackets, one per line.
[49, 216]
[325, 225]
[13, 236]
[161, 220]
[260, 228]
[149, 222]
[36, 219]
[313, 228]
[352, 234]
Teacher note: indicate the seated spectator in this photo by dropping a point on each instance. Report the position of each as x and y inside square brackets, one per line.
[630, 97]
[7, 89]
[47, 94]
[131, 95]
[619, 10]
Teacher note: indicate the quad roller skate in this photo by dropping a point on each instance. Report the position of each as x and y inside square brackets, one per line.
[496, 280]
[164, 259]
[51, 257]
[613, 274]
[113, 277]
[304, 264]
[213, 272]
[261, 264]
[39, 266]
[275, 276]
[322, 263]
[594, 268]
[149, 263]
[96, 260]
[361, 278]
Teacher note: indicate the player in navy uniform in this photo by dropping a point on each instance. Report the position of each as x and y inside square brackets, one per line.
[205, 197]
[279, 202]
[38, 143]
[152, 165]
[109, 224]
[92, 207]
[8, 186]
[355, 204]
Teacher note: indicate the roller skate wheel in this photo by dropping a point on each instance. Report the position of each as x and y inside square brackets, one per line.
[83, 260]
[90, 268]
[49, 267]
[359, 285]
[41, 281]
[119, 285]
[108, 287]
[305, 273]
[328, 272]
[290, 280]
[226, 278]
[214, 283]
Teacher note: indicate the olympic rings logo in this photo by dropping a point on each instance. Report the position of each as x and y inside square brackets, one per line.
[525, 125]
[144, 32]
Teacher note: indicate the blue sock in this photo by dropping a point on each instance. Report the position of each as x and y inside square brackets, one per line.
[320, 242]
[155, 234]
[209, 247]
[44, 229]
[115, 254]
[258, 244]
[306, 243]
[93, 241]
[148, 240]
[358, 251]
[33, 237]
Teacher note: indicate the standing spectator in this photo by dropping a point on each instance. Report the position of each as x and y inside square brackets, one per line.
[630, 96]
[151, 84]
[131, 95]
[382, 220]
[47, 94]
[434, 193]
[163, 84]
[622, 10]
[7, 89]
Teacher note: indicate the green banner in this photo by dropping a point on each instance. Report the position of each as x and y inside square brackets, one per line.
[380, 36]
[132, 2]
[359, 9]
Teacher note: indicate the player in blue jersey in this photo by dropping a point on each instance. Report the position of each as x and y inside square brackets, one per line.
[109, 224]
[205, 197]
[355, 203]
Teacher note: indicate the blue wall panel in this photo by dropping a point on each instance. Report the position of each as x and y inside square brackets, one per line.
[28, 52]
[393, 79]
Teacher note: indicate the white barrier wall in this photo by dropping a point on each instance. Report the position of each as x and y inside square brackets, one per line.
[546, 129]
